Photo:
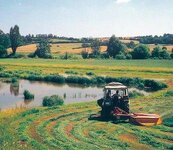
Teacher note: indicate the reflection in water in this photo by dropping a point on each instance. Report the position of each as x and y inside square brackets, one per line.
[14, 89]
[27, 102]
[12, 96]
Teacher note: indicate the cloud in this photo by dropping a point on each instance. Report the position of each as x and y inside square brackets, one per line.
[122, 1]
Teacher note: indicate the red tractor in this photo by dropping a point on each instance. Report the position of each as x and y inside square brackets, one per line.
[115, 104]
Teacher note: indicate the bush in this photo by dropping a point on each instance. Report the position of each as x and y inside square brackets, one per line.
[31, 55]
[168, 93]
[90, 73]
[55, 78]
[128, 56]
[120, 56]
[134, 94]
[53, 100]
[78, 80]
[141, 52]
[3, 52]
[28, 95]
[71, 72]
[43, 50]
[14, 80]
[16, 56]
[84, 54]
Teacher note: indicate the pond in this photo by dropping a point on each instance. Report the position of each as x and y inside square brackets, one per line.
[11, 96]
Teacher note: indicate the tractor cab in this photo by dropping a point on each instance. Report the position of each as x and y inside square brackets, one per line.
[115, 95]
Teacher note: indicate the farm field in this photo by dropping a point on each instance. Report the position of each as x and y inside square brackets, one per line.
[72, 48]
[68, 127]
[152, 69]
[76, 48]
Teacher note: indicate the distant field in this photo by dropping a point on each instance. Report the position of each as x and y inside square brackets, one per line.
[73, 48]
[160, 69]
[169, 47]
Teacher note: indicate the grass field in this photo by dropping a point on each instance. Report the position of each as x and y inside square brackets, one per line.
[68, 127]
[152, 69]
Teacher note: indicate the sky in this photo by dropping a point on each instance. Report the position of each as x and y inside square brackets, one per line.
[88, 18]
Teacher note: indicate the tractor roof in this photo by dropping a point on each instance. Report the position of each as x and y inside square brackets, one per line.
[115, 85]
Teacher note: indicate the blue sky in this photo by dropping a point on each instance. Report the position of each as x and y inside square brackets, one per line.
[88, 18]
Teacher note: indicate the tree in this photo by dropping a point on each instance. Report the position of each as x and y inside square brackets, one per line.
[171, 54]
[43, 50]
[4, 39]
[95, 46]
[14, 38]
[3, 51]
[156, 52]
[115, 47]
[141, 52]
[164, 54]
[160, 53]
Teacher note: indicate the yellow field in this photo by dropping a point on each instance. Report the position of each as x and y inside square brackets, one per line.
[169, 47]
[73, 48]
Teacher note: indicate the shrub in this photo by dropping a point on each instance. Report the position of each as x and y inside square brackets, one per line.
[168, 93]
[31, 55]
[54, 78]
[16, 56]
[90, 73]
[141, 52]
[78, 80]
[53, 100]
[43, 50]
[71, 72]
[128, 56]
[28, 95]
[134, 94]
[14, 80]
[84, 54]
[120, 56]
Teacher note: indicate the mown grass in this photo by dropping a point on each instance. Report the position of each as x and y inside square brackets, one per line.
[68, 127]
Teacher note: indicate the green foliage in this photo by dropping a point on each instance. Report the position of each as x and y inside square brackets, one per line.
[53, 100]
[168, 121]
[120, 56]
[15, 38]
[28, 95]
[90, 73]
[84, 54]
[128, 56]
[14, 80]
[4, 40]
[31, 55]
[3, 52]
[156, 52]
[95, 46]
[131, 44]
[54, 78]
[169, 93]
[155, 85]
[141, 52]
[115, 47]
[71, 72]
[43, 50]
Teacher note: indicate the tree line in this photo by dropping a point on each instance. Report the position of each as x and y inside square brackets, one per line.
[118, 50]
[165, 39]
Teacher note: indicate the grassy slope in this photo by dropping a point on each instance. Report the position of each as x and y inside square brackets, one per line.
[68, 127]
